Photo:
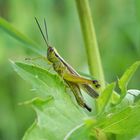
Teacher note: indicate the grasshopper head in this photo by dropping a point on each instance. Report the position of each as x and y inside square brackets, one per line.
[51, 54]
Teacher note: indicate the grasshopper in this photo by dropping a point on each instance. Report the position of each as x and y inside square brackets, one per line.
[68, 74]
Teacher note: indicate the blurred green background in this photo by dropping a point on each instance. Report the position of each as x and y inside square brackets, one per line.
[117, 26]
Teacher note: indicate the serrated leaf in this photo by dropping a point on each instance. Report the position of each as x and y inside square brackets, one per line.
[123, 81]
[104, 99]
[57, 114]
[8, 28]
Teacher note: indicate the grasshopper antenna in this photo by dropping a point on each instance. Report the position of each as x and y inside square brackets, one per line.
[45, 39]
[46, 29]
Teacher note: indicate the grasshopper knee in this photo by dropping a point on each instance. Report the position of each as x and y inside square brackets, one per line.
[95, 82]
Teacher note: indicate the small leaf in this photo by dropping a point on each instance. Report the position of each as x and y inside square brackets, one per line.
[105, 97]
[123, 81]
[115, 97]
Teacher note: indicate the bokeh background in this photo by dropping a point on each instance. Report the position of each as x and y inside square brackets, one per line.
[117, 24]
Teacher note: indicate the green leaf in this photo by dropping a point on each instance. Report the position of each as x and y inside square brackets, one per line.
[56, 113]
[115, 97]
[7, 27]
[123, 81]
[104, 99]
[121, 122]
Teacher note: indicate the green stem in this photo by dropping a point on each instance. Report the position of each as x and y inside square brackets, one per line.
[93, 55]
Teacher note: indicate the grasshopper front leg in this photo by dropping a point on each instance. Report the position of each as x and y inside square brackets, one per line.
[39, 58]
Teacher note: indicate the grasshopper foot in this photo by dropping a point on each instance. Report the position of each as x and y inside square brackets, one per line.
[88, 108]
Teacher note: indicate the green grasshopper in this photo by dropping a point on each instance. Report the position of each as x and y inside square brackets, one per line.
[70, 76]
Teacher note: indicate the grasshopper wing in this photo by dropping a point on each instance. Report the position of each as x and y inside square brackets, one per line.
[89, 90]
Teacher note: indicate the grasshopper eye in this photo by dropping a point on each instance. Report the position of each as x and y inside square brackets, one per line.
[50, 49]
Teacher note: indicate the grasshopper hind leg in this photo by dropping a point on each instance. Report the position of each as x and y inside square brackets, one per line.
[78, 96]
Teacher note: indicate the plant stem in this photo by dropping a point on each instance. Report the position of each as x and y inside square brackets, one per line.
[93, 55]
